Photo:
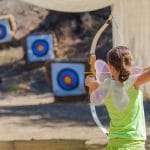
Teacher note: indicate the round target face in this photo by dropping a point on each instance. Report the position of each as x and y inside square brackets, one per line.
[68, 79]
[3, 32]
[40, 47]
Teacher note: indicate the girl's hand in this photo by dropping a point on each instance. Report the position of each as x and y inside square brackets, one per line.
[92, 83]
[89, 80]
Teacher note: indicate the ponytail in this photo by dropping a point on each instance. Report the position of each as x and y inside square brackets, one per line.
[121, 58]
[124, 75]
[125, 63]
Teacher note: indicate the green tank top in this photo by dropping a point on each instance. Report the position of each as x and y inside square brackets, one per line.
[128, 123]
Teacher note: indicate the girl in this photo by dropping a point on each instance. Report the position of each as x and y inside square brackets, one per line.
[127, 121]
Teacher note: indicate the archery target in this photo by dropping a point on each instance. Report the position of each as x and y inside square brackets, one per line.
[68, 79]
[39, 48]
[4, 31]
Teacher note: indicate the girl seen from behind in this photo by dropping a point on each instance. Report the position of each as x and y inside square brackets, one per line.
[124, 100]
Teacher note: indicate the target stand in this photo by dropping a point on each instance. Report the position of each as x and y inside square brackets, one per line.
[67, 80]
[5, 30]
[38, 48]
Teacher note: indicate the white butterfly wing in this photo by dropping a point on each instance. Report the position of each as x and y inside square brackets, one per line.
[103, 76]
[136, 72]
[102, 70]
[120, 97]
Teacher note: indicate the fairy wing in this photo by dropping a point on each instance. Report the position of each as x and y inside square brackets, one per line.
[135, 73]
[102, 70]
[99, 95]
[103, 75]
[119, 93]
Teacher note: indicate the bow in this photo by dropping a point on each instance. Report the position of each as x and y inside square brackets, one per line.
[92, 70]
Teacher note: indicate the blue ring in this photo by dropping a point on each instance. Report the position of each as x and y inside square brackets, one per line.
[72, 74]
[35, 47]
[4, 32]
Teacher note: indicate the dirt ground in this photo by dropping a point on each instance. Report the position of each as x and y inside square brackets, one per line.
[37, 122]
[40, 118]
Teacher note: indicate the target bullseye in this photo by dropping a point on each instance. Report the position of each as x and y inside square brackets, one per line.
[68, 79]
[40, 48]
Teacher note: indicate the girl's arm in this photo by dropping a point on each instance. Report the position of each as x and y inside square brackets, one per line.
[94, 90]
[146, 68]
[92, 85]
[143, 78]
